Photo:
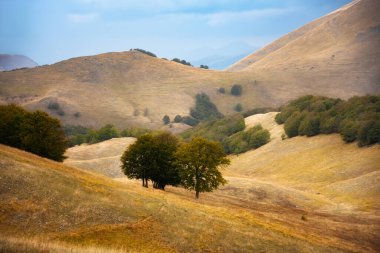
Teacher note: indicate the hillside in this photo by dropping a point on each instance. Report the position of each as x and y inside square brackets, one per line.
[55, 207]
[10, 62]
[103, 157]
[336, 55]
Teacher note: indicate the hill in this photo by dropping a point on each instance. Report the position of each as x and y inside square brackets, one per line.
[103, 157]
[11, 62]
[336, 56]
[48, 206]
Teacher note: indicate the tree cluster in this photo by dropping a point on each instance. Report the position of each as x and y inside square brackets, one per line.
[145, 52]
[181, 61]
[236, 90]
[78, 134]
[35, 132]
[355, 119]
[230, 132]
[161, 159]
[203, 66]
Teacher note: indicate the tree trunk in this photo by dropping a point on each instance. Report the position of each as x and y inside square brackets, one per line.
[197, 183]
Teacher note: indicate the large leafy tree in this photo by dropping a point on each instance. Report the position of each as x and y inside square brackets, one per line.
[199, 161]
[35, 132]
[152, 157]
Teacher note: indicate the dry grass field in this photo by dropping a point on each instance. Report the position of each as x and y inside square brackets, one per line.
[336, 55]
[49, 207]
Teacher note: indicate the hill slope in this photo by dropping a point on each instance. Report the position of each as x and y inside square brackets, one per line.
[336, 54]
[46, 205]
[10, 62]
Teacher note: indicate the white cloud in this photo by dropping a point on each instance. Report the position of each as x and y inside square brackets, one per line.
[81, 18]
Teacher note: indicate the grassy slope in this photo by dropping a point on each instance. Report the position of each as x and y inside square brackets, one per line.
[103, 157]
[48, 205]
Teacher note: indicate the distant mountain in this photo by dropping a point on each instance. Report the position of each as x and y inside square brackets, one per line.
[10, 62]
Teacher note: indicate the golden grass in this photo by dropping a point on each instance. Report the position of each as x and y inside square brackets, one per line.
[65, 206]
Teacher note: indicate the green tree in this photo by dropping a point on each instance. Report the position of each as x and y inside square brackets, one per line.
[11, 118]
[152, 157]
[178, 119]
[43, 135]
[292, 124]
[199, 161]
[204, 108]
[107, 132]
[166, 119]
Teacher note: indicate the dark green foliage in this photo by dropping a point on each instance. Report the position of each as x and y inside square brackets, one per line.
[152, 157]
[258, 110]
[204, 109]
[166, 119]
[355, 119]
[292, 124]
[203, 67]
[35, 132]
[181, 61]
[198, 162]
[229, 131]
[178, 119]
[76, 135]
[53, 106]
[190, 121]
[236, 90]
[222, 90]
[243, 141]
[145, 52]
[107, 132]
[238, 108]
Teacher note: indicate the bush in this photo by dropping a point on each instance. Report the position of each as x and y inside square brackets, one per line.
[238, 108]
[178, 119]
[145, 52]
[236, 90]
[190, 121]
[309, 126]
[53, 106]
[292, 124]
[203, 67]
[181, 61]
[349, 131]
[105, 133]
[222, 90]
[166, 119]
[134, 132]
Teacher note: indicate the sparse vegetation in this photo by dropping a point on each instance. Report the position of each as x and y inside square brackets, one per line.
[35, 132]
[199, 161]
[355, 119]
[236, 90]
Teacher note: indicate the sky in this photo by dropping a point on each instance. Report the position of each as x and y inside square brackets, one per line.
[49, 31]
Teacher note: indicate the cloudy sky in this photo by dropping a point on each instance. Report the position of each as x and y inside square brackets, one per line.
[49, 31]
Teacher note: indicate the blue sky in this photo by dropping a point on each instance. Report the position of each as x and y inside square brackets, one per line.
[53, 30]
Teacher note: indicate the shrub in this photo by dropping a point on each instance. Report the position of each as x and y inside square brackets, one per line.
[145, 52]
[53, 106]
[134, 132]
[238, 108]
[292, 124]
[236, 90]
[181, 61]
[178, 119]
[190, 121]
[203, 67]
[106, 132]
[309, 126]
[166, 119]
[222, 90]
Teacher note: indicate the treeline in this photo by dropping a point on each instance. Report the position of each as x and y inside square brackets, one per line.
[162, 159]
[230, 132]
[357, 119]
[145, 52]
[35, 132]
[77, 135]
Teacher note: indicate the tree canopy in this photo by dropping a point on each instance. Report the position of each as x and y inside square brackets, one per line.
[199, 161]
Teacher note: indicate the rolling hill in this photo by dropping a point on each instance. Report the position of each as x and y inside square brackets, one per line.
[336, 55]
[47, 206]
